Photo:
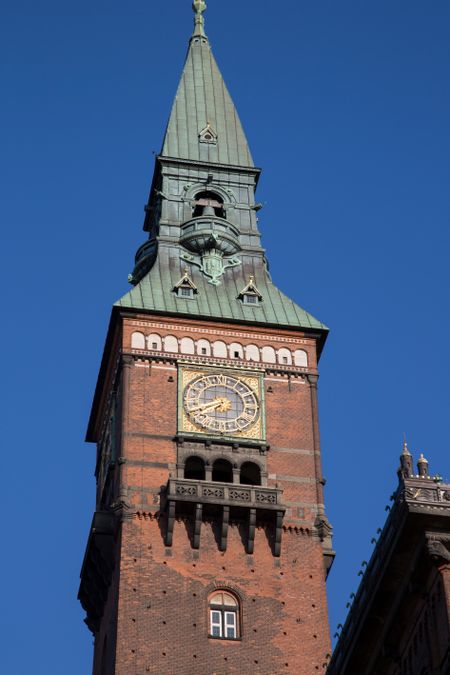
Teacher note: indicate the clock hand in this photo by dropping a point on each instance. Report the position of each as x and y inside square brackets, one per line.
[206, 406]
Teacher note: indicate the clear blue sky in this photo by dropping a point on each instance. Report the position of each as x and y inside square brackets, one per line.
[347, 108]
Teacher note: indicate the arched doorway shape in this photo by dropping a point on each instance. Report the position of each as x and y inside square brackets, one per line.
[250, 474]
[194, 468]
[222, 471]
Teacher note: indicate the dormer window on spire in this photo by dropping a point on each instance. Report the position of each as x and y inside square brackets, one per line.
[185, 288]
[208, 135]
[250, 294]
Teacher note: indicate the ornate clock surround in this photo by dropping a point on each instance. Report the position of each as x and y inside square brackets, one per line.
[251, 426]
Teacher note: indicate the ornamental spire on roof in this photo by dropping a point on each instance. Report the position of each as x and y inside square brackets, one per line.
[203, 105]
[199, 6]
[202, 213]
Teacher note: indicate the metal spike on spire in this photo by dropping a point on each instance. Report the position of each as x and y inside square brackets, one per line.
[199, 6]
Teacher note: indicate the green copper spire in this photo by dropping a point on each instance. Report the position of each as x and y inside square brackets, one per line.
[204, 123]
[199, 6]
[202, 213]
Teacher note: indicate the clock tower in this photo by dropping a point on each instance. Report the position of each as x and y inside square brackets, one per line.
[209, 546]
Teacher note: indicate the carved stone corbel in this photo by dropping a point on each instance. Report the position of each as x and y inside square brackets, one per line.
[224, 529]
[251, 530]
[197, 525]
[324, 530]
[278, 533]
[438, 549]
[171, 505]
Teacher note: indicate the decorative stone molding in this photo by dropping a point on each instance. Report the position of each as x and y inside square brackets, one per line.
[258, 356]
[257, 496]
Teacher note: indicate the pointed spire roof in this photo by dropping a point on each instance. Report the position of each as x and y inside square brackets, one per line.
[203, 100]
[221, 251]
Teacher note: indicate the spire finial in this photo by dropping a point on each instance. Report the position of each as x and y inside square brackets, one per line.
[405, 446]
[199, 6]
[422, 465]
[406, 461]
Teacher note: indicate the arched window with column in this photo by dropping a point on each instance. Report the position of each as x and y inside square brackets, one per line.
[222, 471]
[224, 616]
[194, 468]
[250, 474]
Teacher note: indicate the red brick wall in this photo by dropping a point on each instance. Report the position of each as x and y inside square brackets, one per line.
[163, 620]
[162, 607]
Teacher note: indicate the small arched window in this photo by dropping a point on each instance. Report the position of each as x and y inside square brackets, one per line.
[236, 351]
[284, 356]
[203, 347]
[194, 468]
[224, 616]
[154, 342]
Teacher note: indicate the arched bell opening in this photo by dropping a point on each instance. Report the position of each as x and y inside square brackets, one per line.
[194, 468]
[208, 204]
[250, 474]
[222, 471]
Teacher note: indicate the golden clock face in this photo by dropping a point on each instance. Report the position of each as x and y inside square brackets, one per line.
[221, 403]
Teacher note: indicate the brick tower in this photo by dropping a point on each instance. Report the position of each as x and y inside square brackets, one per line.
[209, 546]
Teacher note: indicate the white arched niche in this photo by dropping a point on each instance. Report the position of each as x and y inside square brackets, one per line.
[252, 353]
[154, 342]
[284, 356]
[268, 355]
[301, 358]
[220, 349]
[187, 345]
[170, 344]
[236, 351]
[203, 348]
[137, 341]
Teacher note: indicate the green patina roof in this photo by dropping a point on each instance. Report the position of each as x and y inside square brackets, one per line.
[155, 293]
[203, 98]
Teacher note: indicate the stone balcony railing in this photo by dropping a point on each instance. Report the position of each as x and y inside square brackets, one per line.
[226, 494]
[253, 498]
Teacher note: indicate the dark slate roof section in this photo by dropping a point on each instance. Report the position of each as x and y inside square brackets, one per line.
[377, 615]
[154, 293]
[203, 98]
